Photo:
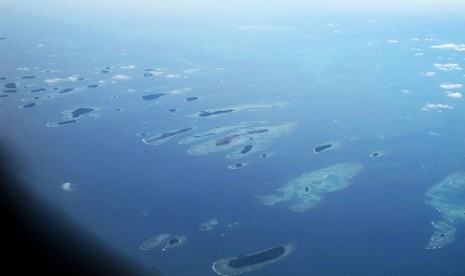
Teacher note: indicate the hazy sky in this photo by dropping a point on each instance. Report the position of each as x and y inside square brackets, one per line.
[215, 8]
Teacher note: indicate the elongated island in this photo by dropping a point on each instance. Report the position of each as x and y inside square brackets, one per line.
[243, 263]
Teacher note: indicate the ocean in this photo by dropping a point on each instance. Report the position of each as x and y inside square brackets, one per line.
[363, 84]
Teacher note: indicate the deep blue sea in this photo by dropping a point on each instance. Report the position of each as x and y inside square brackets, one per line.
[366, 83]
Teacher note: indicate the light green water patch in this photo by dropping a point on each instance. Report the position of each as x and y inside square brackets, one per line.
[246, 150]
[209, 133]
[154, 242]
[442, 236]
[171, 241]
[241, 139]
[237, 166]
[209, 225]
[307, 190]
[448, 198]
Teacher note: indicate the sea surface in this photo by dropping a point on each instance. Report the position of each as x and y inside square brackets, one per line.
[358, 82]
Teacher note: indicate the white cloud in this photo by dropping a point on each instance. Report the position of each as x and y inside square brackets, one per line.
[450, 46]
[449, 86]
[447, 66]
[121, 77]
[430, 107]
[255, 28]
[128, 66]
[22, 69]
[190, 71]
[418, 54]
[72, 78]
[415, 39]
[173, 76]
[429, 74]
[455, 95]
[413, 49]
[156, 73]
[406, 91]
[432, 133]
[67, 186]
[392, 41]
[180, 91]
[56, 80]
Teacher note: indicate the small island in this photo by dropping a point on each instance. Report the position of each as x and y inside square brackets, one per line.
[11, 85]
[71, 116]
[158, 139]
[216, 112]
[61, 123]
[378, 153]
[80, 111]
[322, 148]
[243, 263]
[29, 105]
[237, 166]
[246, 149]
[151, 97]
[66, 90]
[174, 241]
[190, 99]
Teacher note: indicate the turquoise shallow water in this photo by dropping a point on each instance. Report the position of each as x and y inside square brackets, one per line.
[361, 84]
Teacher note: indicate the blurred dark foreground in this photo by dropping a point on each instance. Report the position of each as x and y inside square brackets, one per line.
[41, 239]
